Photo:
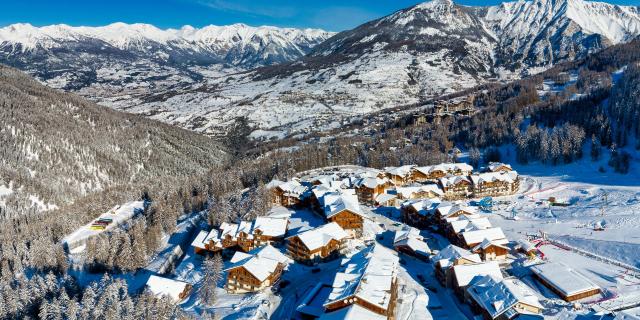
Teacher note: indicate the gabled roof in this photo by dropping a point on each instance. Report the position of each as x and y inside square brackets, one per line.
[384, 197]
[402, 171]
[161, 286]
[477, 236]
[465, 273]
[423, 207]
[451, 253]
[368, 276]
[272, 227]
[447, 209]
[406, 192]
[486, 243]
[509, 177]
[321, 236]
[336, 202]
[204, 237]
[498, 296]
[563, 278]
[493, 166]
[261, 262]
[465, 225]
[452, 180]
[446, 167]
[410, 237]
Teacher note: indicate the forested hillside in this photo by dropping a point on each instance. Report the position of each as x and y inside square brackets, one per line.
[56, 147]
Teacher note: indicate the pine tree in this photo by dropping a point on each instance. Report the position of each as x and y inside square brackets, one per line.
[212, 273]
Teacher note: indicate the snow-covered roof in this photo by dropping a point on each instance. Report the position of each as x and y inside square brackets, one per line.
[481, 178]
[272, 227]
[447, 209]
[407, 192]
[448, 255]
[260, 262]
[526, 245]
[464, 273]
[486, 243]
[321, 236]
[384, 197]
[293, 188]
[423, 207]
[477, 236]
[279, 212]
[204, 237]
[352, 312]
[368, 275]
[453, 180]
[171, 288]
[498, 296]
[564, 279]
[336, 202]
[446, 167]
[411, 238]
[493, 166]
[465, 225]
[633, 314]
[402, 171]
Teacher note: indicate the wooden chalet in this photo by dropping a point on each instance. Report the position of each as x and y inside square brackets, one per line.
[465, 274]
[504, 299]
[449, 257]
[459, 105]
[207, 242]
[256, 270]
[343, 208]
[409, 241]
[447, 212]
[428, 174]
[287, 194]
[470, 239]
[400, 176]
[367, 189]
[456, 187]
[245, 235]
[317, 245]
[498, 167]
[429, 191]
[491, 251]
[495, 184]
[567, 283]
[420, 213]
[366, 287]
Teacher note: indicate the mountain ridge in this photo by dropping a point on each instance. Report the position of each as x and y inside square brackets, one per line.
[408, 57]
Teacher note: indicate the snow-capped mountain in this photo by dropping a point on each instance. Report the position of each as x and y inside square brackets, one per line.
[542, 32]
[73, 58]
[414, 54]
[411, 55]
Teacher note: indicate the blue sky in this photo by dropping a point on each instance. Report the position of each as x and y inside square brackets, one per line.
[334, 15]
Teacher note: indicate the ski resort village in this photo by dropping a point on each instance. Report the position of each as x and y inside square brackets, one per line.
[447, 241]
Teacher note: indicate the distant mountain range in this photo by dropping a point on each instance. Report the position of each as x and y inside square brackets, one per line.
[309, 80]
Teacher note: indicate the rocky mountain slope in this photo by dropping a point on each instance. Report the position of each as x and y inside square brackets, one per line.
[433, 48]
[56, 147]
